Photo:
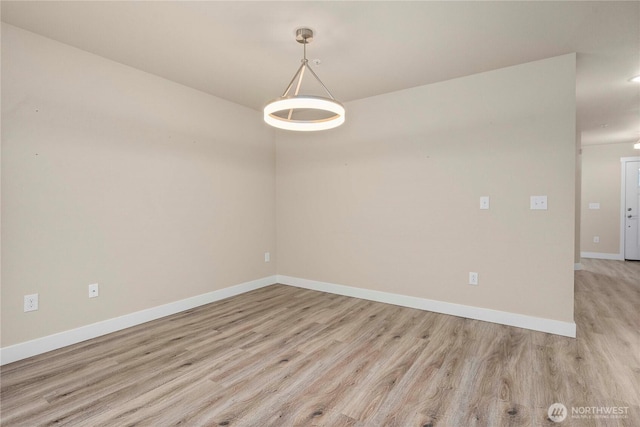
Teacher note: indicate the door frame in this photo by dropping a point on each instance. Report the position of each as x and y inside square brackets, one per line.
[623, 196]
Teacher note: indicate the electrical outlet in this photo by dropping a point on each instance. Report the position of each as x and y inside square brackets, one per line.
[473, 278]
[30, 302]
[93, 290]
[596, 239]
[267, 257]
[484, 202]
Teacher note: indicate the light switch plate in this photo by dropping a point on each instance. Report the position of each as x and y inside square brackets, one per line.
[539, 203]
[594, 205]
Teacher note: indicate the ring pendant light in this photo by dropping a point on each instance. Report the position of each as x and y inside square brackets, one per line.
[292, 112]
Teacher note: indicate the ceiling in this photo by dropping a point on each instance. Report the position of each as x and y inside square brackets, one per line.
[245, 52]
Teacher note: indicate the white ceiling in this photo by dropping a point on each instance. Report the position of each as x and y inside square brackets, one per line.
[245, 51]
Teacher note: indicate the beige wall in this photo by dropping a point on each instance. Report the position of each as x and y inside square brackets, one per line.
[601, 174]
[159, 192]
[111, 175]
[390, 200]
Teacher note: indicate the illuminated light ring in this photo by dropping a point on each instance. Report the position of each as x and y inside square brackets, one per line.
[306, 102]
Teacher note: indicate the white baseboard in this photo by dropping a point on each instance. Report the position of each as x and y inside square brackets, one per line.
[577, 266]
[62, 339]
[601, 255]
[557, 327]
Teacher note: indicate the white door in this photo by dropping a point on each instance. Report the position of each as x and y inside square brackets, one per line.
[632, 211]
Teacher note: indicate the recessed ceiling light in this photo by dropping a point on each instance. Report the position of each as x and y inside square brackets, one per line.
[636, 79]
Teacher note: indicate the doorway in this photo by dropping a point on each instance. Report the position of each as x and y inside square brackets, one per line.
[630, 203]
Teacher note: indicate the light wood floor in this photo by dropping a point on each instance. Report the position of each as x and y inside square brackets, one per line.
[282, 356]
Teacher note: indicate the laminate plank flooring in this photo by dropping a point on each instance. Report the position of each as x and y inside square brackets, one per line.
[282, 356]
